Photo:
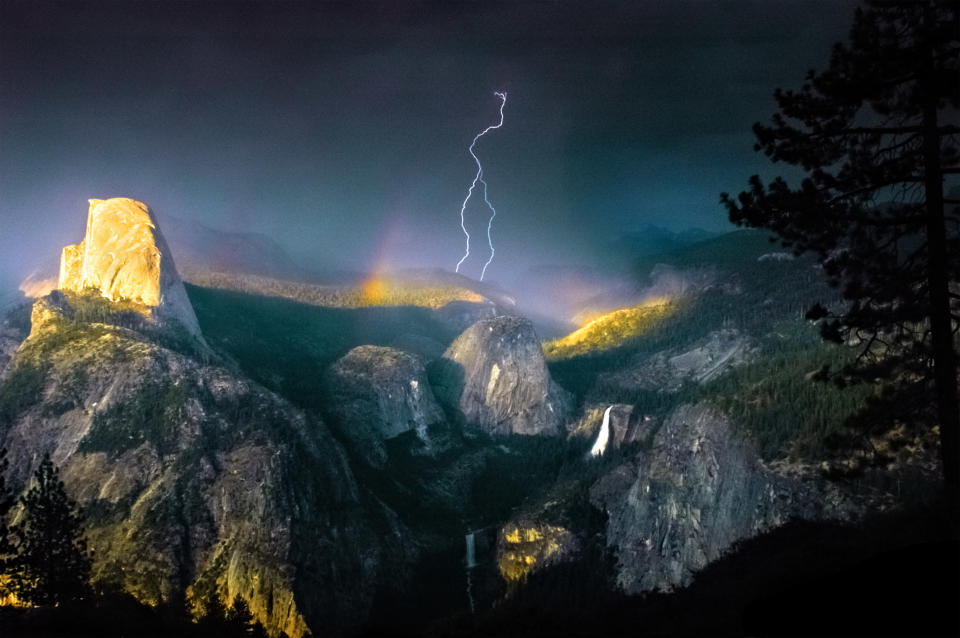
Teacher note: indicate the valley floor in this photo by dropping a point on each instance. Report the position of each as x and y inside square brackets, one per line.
[891, 575]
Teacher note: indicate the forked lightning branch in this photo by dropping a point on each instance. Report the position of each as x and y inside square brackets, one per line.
[479, 178]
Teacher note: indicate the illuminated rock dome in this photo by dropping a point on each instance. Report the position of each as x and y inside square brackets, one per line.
[124, 257]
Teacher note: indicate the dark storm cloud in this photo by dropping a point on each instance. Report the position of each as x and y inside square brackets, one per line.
[342, 128]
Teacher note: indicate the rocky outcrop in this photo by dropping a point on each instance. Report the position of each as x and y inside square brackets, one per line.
[496, 376]
[721, 350]
[680, 505]
[668, 371]
[378, 393]
[194, 478]
[124, 257]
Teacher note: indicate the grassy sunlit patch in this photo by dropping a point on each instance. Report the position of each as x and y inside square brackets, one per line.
[611, 330]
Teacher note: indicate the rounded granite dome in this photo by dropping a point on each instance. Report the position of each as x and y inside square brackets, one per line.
[497, 376]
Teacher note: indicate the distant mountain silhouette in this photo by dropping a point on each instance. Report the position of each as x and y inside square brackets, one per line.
[201, 248]
[652, 239]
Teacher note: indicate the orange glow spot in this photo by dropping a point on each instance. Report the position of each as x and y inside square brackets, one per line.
[373, 292]
[379, 290]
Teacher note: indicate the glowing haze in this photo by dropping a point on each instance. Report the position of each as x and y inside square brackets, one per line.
[329, 126]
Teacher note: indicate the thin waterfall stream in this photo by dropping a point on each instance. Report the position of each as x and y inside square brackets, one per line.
[470, 541]
[601, 444]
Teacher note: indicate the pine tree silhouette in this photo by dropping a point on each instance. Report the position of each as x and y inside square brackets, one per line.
[241, 621]
[876, 135]
[52, 564]
[214, 621]
[6, 502]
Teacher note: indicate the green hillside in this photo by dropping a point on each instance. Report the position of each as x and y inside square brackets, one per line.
[772, 395]
[287, 345]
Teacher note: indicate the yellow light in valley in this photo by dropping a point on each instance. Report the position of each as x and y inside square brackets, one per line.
[611, 329]
[525, 547]
[373, 292]
[379, 290]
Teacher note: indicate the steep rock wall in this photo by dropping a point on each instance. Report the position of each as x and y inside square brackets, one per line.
[378, 393]
[681, 504]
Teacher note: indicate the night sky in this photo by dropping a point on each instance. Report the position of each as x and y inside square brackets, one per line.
[342, 130]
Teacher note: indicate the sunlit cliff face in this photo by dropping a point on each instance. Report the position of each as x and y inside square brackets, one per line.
[8, 598]
[118, 257]
[612, 329]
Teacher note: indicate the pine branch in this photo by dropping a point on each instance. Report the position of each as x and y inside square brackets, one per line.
[869, 130]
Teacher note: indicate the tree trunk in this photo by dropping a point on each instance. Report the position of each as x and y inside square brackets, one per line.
[941, 329]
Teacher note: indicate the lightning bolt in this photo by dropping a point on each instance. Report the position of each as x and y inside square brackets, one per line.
[479, 178]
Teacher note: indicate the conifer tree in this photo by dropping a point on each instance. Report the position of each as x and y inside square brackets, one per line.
[6, 502]
[876, 135]
[241, 621]
[52, 564]
[213, 607]
[216, 619]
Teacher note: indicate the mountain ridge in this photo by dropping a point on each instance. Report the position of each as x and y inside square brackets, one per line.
[295, 456]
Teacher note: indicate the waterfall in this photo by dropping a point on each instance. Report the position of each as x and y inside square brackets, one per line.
[471, 562]
[601, 445]
[471, 551]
